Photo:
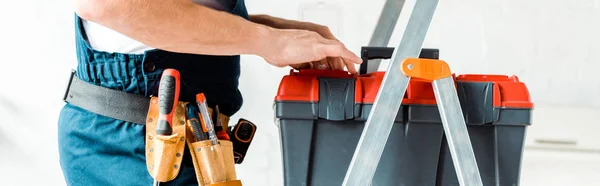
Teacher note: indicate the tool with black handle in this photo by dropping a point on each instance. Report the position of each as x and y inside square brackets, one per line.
[168, 95]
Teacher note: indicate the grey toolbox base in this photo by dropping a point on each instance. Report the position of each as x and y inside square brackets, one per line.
[317, 153]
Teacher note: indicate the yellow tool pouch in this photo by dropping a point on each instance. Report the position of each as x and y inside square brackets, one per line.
[165, 153]
[213, 164]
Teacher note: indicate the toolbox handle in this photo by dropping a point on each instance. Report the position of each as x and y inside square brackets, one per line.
[369, 52]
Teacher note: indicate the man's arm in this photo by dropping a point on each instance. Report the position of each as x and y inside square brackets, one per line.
[281, 23]
[176, 25]
[186, 27]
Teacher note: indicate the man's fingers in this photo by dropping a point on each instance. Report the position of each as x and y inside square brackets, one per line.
[302, 66]
[349, 56]
[279, 65]
[336, 63]
[321, 64]
[339, 56]
[337, 49]
[351, 67]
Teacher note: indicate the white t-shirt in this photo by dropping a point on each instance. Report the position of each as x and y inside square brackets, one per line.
[104, 39]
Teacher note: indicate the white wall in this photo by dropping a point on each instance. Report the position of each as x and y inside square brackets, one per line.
[549, 44]
[36, 46]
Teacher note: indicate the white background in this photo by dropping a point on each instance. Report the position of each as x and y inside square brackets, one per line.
[552, 45]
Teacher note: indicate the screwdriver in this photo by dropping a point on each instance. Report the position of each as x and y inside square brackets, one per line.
[168, 94]
[201, 101]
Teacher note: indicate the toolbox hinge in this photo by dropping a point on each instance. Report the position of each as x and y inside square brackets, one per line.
[336, 98]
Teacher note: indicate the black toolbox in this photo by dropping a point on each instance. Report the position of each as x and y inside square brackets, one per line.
[321, 115]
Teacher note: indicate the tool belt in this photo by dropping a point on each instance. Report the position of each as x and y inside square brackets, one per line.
[213, 163]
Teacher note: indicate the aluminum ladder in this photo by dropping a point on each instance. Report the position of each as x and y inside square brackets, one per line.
[403, 66]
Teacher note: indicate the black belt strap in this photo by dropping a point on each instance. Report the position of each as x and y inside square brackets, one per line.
[107, 102]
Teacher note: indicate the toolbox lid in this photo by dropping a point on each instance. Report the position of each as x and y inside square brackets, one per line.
[507, 91]
[335, 94]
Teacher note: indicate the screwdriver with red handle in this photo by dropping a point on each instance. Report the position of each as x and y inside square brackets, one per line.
[168, 94]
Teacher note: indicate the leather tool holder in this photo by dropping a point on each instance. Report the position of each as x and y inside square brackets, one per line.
[214, 164]
[164, 153]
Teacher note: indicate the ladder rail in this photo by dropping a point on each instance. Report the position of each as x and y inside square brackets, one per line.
[455, 130]
[389, 98]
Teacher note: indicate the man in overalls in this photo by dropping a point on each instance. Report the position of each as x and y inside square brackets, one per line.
[124, 45]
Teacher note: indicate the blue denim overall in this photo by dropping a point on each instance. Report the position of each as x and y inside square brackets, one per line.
[97, 150]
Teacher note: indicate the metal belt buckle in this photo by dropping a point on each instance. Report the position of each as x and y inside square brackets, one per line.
[73, 72]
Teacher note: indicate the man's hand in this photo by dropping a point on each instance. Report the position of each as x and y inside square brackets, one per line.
[292, 47]
[328, 57]
[331, 62]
